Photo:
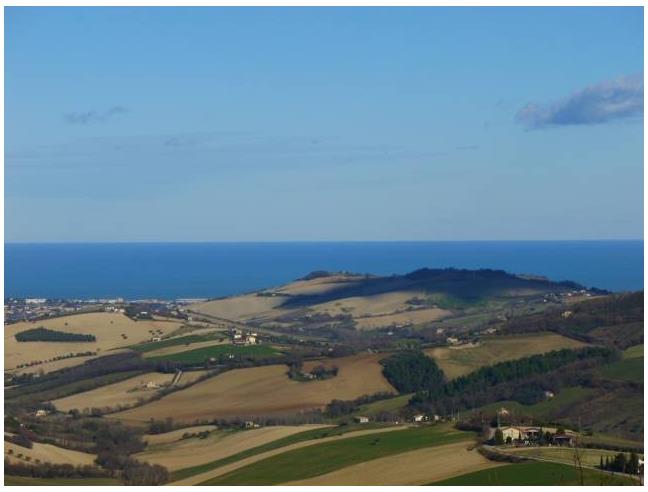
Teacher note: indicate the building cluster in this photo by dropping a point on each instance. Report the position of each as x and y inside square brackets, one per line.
[519, 435]
[242, 337]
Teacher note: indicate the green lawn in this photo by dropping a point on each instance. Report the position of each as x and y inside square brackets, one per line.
[323, 458]
[172, 342]
[202, 354]
[627, 369]
[279, 443]
[9, 480]
[536, 473]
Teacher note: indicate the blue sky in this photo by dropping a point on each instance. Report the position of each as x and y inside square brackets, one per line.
[214, 124]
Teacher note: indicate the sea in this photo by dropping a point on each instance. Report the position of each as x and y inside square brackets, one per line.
[210, 270]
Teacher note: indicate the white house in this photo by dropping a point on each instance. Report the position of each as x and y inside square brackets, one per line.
[361, 419]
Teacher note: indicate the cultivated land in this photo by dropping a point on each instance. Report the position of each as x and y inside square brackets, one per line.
[196, 451]
[106, 327]
[200, 355]
[411, 468]
[205, 473]
[46, 453]
[312, 461]
[461, 360]
[265, 390]
[112, 396]
[48, 482]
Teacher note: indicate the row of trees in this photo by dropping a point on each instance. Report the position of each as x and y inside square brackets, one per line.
[622, 464]
[41, 334]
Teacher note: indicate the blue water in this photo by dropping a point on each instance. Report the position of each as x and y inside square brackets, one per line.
[182, 270]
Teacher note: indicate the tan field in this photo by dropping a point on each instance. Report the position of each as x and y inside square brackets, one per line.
[124, 393]
[106, 327]
[176, 435]
[458, 361]
[590, 457]
[414, 317]
[48, 453]
[417, 467]
[376, 305]
[265, 390]
[318, 285]
[241, 308]
[54, 365]
[194, 451]
[217, 472]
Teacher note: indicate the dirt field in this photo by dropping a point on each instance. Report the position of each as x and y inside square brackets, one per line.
[202, 477]
[48, 453]
[318, 285]
[176, 435]
[194, 451]
[412, 468]
[265, 390]
[106, 327]
[458, 361]
[124, 393]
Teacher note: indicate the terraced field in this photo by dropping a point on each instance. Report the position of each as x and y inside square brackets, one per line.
[461, 360]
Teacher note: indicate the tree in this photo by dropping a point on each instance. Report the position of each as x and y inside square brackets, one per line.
[499, 437]
[633, 464]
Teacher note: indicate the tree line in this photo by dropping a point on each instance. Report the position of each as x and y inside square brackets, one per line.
[42, 334]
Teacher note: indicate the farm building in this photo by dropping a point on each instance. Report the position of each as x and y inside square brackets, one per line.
[361, 419]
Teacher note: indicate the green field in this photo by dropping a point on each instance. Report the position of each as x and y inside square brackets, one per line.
[536, 474]
[10, 480]
[590, 457]
[202, 354]
[172, 342]
[323, 458]
[627, 369]
[279, 443]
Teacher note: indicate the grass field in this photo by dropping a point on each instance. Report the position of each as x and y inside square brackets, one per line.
[264, 390]
[634, 351]
[459, 361]
[200, 355]
[48, 482]
[590, 457]
[172, 342]
[627, 369]
[327, 457]
[416, 467]
[534, 474]
[389, 405]
[544, 409]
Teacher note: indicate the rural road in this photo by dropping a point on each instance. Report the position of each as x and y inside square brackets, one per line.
[217, 472]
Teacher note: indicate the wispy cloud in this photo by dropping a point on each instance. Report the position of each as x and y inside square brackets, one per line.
[93, 116]
[599, 103]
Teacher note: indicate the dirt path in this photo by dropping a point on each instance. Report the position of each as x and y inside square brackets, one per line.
[417, 467]
[217, 472]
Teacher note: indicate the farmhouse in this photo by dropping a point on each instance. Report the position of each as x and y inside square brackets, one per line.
[418, 417]
[361, 419]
